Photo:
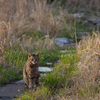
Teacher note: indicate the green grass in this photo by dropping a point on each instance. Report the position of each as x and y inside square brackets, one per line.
[75, 29]
[70, 34]
[9, 74]
[41, 93]
[12, 70]
[16, 58]
[48, 56]
[34, 34]
[57, 79]
[67, 67]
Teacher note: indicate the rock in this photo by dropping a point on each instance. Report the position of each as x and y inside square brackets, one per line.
[64, 51]
[94, 21]
[70, 41]
[90, 25]
[44, 69]
[61, 41]
[98, 24]
[11, 90]
[49, 63]
[78, 15]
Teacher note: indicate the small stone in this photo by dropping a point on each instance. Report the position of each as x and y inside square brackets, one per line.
[49, 63]
[61, 41]
[64, 51]
[44, 69]
[78, 15]
[94, 21]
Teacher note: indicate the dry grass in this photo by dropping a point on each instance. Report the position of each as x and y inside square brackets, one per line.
[90, 51]
[82, 6]
[87, 84]
[18, 17]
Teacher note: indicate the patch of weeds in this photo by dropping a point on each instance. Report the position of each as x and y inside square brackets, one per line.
[70, 58]
[54, 80]
[57, 78]
[16, 57]
[70, 83]
[69, 34]
[8, 74]
[35, 34]
[48, 56]
[94, 13]
[62, 2]
[14, 65]
[83, 28]
[40, 93]
[88, 90]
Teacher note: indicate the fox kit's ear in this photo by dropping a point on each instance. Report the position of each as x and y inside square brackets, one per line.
[37, 53]
[29, 54]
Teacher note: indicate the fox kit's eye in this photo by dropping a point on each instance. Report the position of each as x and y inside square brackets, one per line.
[32, 59]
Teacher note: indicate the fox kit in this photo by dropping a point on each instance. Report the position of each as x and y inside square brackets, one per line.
[30, 70]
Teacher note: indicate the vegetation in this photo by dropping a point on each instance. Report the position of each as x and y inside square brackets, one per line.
[74, 77]
[31, 26]
[58, 79]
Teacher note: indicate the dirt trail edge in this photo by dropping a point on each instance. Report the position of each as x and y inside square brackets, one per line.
[12, 90]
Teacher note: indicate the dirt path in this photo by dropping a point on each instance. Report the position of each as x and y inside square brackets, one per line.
[12, 90]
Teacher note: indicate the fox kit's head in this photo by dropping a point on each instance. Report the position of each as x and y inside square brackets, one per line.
[33, 59]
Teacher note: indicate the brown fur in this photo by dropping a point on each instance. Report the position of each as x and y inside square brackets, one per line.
[30, 70]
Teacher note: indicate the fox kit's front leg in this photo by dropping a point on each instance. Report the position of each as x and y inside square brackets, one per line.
[31, 81]
[37, 78]
[30, 85]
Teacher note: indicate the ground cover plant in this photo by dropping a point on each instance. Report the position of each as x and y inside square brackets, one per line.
[72, 77]
[58, 79]
[20, 36]
[31, 26]
[16, 58]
